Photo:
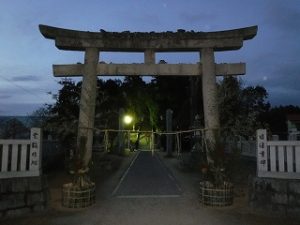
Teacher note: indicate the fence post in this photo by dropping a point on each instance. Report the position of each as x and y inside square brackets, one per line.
[35, 158]
[128, 139]
[178, 144]
[262, 161]
[121, 132]
[106, 140]
[169, 137]
[152, 142]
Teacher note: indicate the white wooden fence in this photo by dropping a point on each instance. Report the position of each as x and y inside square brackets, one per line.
[277, 159]
[21, 158]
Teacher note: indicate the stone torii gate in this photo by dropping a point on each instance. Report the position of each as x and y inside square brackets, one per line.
[92, 43]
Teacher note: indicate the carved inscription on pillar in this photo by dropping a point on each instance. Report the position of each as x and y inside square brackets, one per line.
[35, 149]
[261, 136]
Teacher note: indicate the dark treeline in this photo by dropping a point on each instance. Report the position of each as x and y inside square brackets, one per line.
[243, 109]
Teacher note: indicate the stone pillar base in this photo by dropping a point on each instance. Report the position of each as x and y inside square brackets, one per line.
[75, 196]
[216, 196]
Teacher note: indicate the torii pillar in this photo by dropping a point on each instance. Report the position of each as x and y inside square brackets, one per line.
[87, 103]
[209, 92]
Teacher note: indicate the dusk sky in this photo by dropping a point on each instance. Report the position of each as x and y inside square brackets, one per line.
[26, 57]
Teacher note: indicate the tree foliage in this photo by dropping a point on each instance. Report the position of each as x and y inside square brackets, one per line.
[276, 118]
[172, 93]
[64, 113]
[110, 97]
[14, 129]
[241, 108]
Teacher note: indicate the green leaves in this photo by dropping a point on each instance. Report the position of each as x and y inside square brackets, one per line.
[241, 108]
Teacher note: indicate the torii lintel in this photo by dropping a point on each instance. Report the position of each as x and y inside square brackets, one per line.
[185, 41]
[223, 69]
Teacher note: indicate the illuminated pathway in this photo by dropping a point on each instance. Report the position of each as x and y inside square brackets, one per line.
[147, 176]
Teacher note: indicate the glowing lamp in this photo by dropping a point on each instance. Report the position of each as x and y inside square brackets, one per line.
[128, 119]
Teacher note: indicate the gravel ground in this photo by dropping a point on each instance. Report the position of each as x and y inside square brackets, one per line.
[111, 210]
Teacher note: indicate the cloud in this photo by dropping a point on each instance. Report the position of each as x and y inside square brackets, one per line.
[282, 96]
[5, 96]
[279, 73]
[282, 16]
[25, 78]
[196, 18]
[282, 83]
[142, 21]
[286, 75]
[19, 109]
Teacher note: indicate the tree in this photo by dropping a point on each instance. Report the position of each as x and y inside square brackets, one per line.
[134, 89]
[230, 102]
[276, 118]
[13, 129]
[172, 93]
[140, 102]
[110, 98]
[64, 113]
[196, 101]
[255, 105]
[241, 109]
[39, 117]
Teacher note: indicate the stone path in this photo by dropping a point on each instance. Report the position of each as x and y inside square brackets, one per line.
[147, 176]
[125, 208]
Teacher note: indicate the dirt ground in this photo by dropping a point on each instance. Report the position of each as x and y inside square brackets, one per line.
[111, 210]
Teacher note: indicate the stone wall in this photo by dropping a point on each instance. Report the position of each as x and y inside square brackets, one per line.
[23, 195]
[278, 196]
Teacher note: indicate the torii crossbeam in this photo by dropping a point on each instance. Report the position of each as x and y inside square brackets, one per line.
[206, 43]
